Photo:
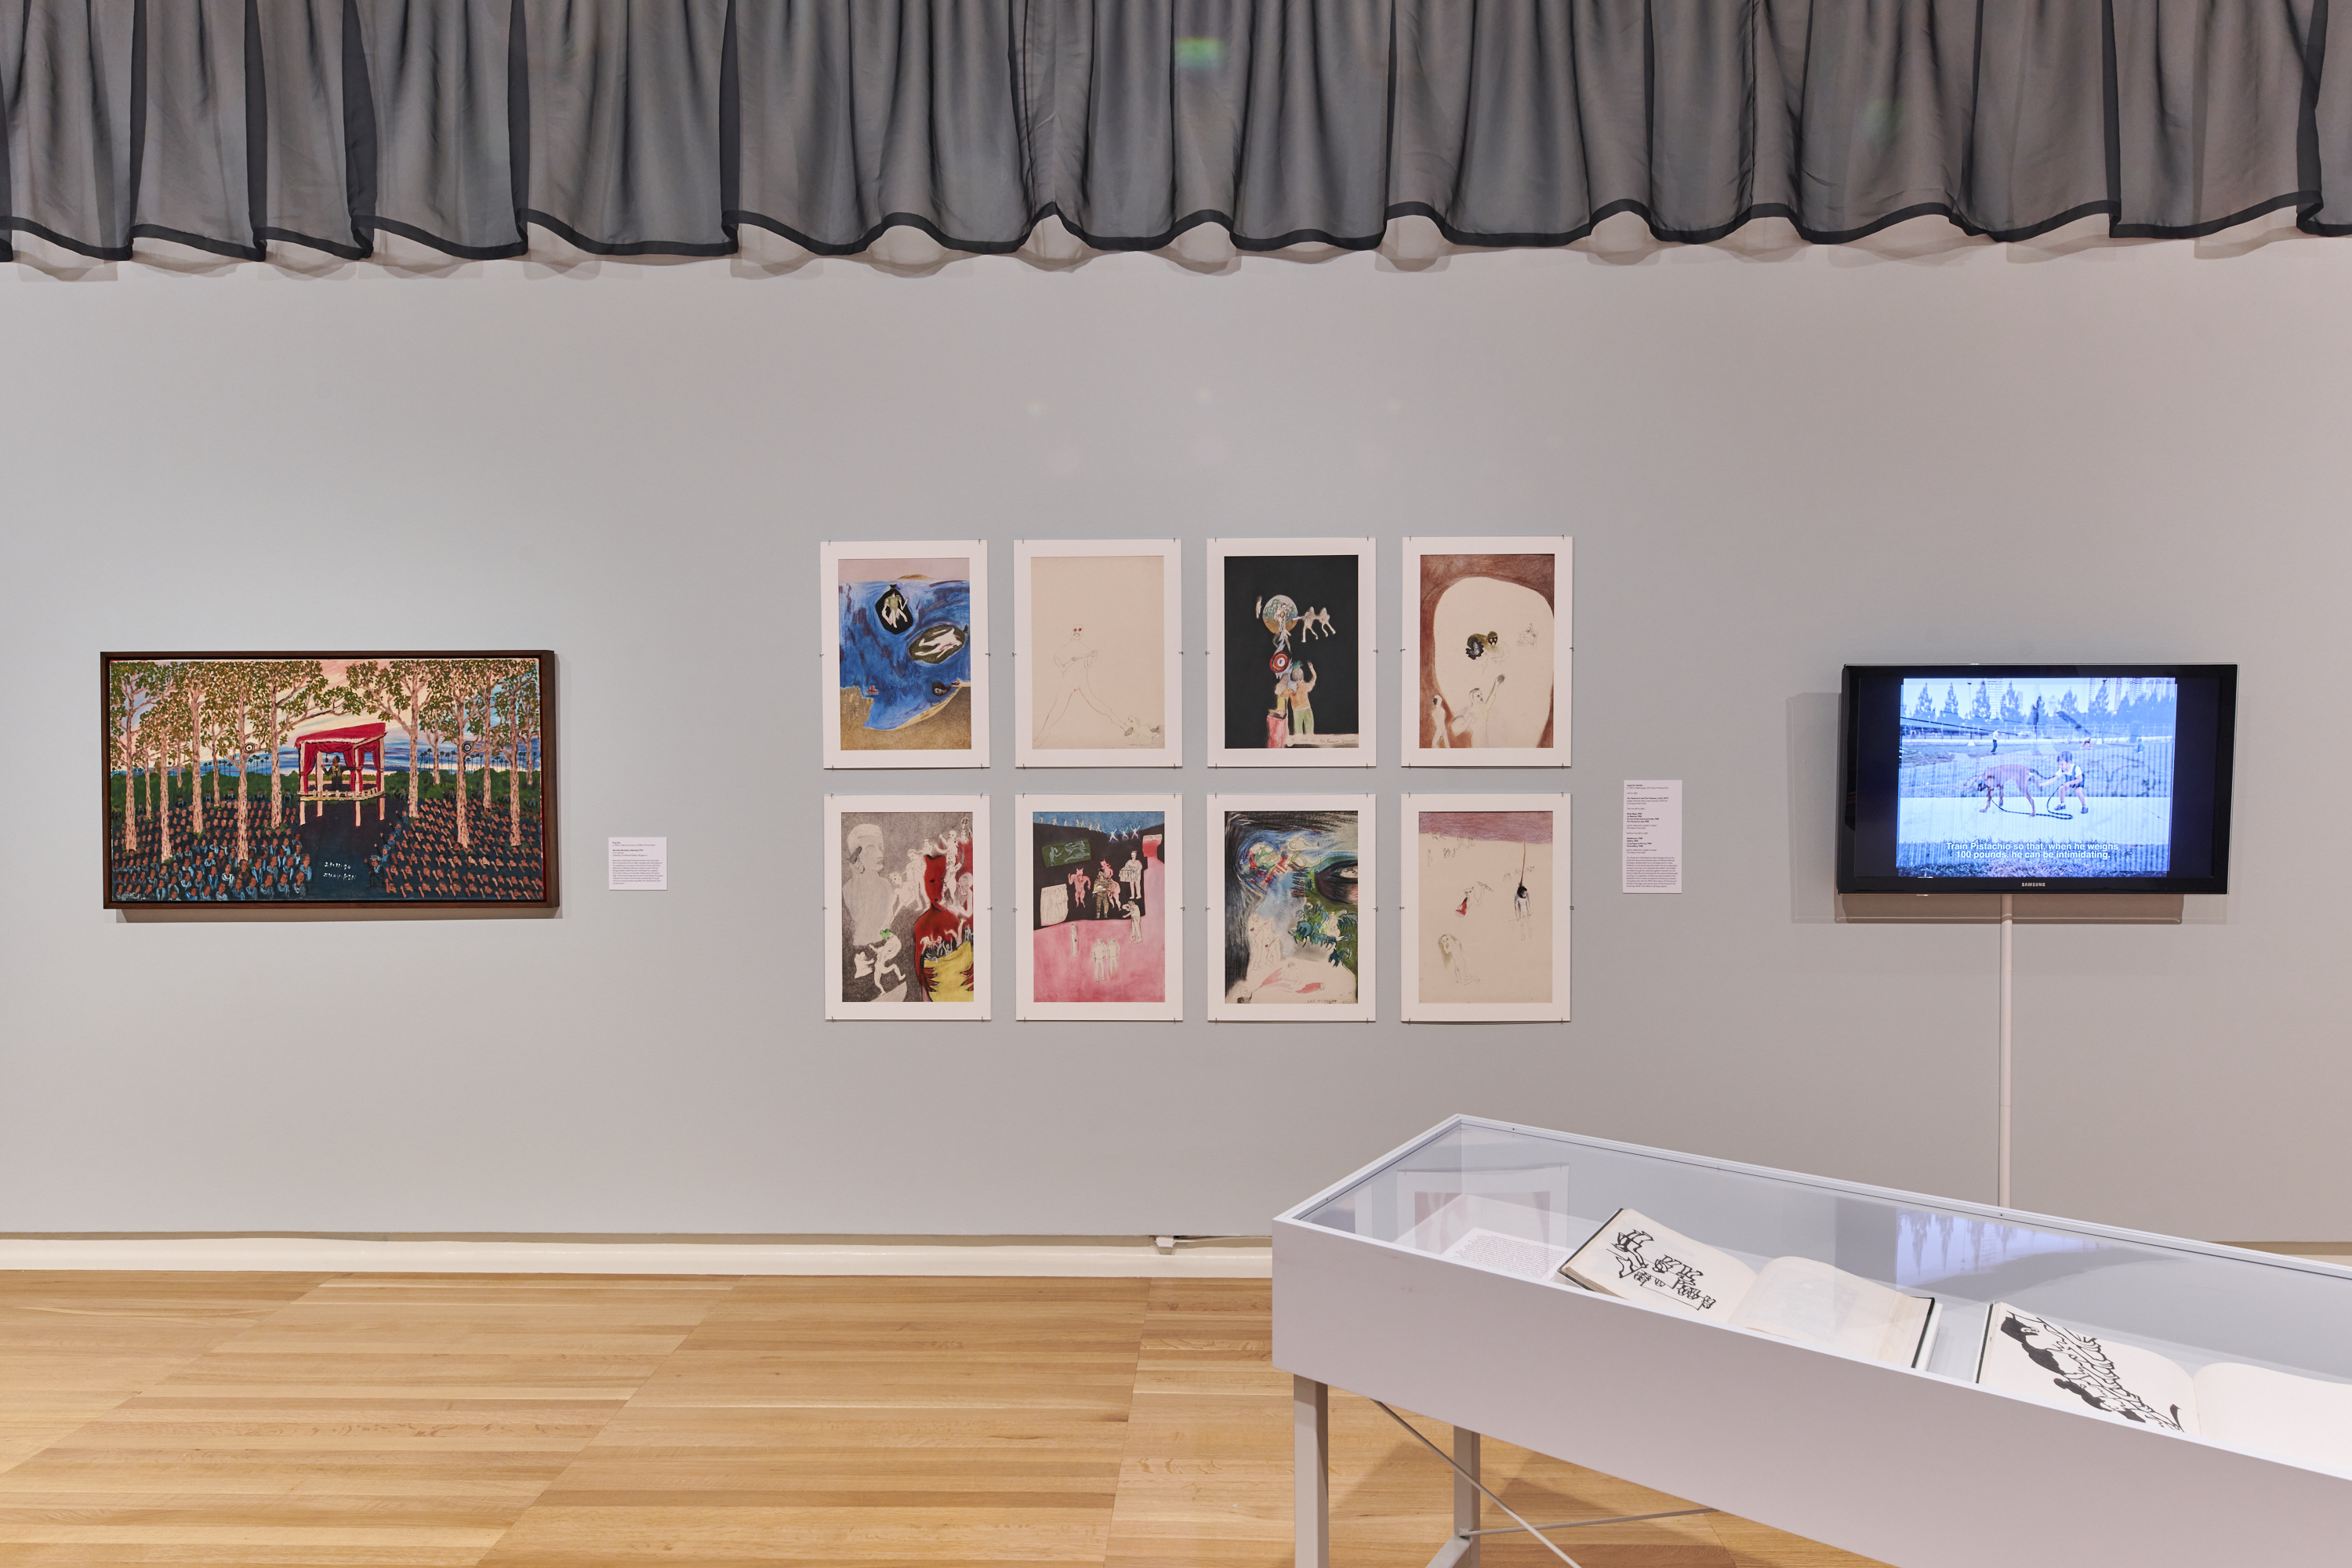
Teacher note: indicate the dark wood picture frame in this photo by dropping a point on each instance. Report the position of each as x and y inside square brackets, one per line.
[280, 709]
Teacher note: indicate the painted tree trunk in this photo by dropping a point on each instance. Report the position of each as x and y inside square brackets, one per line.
[243, 851]
[464, 842]
[164, 808]
[514, 794]
[195, 793]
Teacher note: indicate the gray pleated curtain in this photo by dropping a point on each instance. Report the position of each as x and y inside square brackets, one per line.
[663, 126]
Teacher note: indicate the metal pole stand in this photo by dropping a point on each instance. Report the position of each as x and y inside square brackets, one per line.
[1310, 1433]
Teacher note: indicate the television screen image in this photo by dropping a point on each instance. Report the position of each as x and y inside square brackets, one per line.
[2018, 776]
[2029, 778]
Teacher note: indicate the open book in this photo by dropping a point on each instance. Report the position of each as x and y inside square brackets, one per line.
[2299, 1419]
[1635, 1257]
[1491, 1249]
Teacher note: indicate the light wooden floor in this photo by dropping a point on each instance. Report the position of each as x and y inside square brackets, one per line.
[280, 1419]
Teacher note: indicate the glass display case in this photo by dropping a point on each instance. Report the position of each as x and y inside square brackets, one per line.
[1827, 1357]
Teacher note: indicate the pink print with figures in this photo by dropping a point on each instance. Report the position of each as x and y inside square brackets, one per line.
[1101, 921]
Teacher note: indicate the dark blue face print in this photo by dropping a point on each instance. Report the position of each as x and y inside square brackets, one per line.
[907, 645]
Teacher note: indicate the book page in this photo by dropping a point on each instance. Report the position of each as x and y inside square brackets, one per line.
[1443, 1219]
[1799, 1299]
[1491, 1249]
[2299, 1419]
[1927, 1352]
[1637, 1259]
[2037, 1358]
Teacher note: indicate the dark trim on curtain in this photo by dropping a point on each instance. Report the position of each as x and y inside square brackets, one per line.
[665, 127]
[7, 182]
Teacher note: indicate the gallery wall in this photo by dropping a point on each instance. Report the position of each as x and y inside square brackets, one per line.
[1771, 466]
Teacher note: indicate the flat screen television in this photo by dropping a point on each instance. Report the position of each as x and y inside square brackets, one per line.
[2062, 778]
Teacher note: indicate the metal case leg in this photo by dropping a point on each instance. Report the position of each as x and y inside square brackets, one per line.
[1461, 1548]
[1465, 1495]
[1310, 1431]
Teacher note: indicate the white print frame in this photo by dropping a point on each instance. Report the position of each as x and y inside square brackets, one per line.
[902, 683]
[1364, 753]
[839, 807]
[1215, 891]
[1081, 699]
[1507, 595]
[1494, 905]
[1170, 1007]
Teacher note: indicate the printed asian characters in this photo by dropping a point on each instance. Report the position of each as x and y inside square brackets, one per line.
[908, 909]
[1290, 922]
[905, 655]
[1666, 1275]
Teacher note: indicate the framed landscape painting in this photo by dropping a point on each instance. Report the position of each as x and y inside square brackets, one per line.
[1290, 908]
[1099, 891]
[906, 907]
[321, 779]
[1290, 653]
[1486, 652]
[902, 630]
[1486, 907]
[1098, 672]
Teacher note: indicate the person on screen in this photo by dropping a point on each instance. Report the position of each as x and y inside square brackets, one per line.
[2068, 780]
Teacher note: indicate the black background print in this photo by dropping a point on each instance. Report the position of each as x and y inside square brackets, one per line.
[1313, 582]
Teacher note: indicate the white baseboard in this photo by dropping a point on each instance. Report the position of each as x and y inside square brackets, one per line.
[1089, 1257]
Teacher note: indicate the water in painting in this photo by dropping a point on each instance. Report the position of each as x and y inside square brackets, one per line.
[905, 635]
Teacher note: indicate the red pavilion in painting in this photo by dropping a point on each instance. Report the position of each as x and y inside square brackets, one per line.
[360, 748]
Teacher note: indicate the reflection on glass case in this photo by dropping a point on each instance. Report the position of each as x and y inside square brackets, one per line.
[2170, 1339]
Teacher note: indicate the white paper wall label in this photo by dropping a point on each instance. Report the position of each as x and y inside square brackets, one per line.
[1653, 835]
[638, 865]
